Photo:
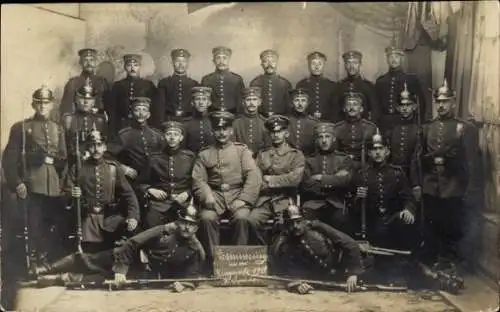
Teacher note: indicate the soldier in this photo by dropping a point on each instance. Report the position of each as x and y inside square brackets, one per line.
[448, 163]
[354, 82]
[312, 249]
[282, 167]
[226, 85]
[198, 129]
[226, 183]
[137, 142]
[88, 62]
[174, 92]
[249, 128]
[174, 252]
[123, 93]
[275, 88]
[83, 120]
[301, 124]
[353, 132]
[168, 183]
[326, 180]
[34, 160]
[322, 91]
[108, 201]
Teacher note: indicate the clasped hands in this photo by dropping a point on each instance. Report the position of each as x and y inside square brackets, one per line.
[162, 195]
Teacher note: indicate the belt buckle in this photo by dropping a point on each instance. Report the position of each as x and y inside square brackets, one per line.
[224, 187]
[48, 160]
[317, 115]
[97, 209]
[438, 161]
[178, 113]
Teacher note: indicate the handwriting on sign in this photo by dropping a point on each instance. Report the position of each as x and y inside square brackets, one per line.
[233, 264]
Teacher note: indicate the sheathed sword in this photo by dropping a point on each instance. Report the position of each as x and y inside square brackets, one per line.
[111, 284]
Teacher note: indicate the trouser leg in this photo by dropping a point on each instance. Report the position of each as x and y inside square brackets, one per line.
[155, 217]
[209, 235]
[240, 224]
[258, 218]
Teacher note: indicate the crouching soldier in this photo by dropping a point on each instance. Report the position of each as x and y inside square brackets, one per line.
[108, 201]
[314, 250]
[168, 185]
[174, 252]
[326, 181]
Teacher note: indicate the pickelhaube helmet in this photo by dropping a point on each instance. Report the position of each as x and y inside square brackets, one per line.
[292, 212]
[406, 96]
[43, 94]
[395, 46]
[189, 214]
[444, 93]
[86, 91]
[377, 140]
[95, 136]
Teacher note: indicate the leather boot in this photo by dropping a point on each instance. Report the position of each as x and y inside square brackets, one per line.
[62, 265]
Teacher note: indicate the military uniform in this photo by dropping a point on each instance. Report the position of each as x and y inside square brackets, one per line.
[351, 134]
[174, 92]
[224, 174]
[302, 132]
[198, 132]
[44, 143]
[99, 83]
[325, 199]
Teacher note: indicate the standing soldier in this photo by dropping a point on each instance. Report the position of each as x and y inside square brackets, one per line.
[275, 88]
[88, 62]
[448, 162]
[390, 85]
[322, 91]
[167, 186]
[123, 93]
[354, 82]
[226, 85]
[326, 181]
[226, 183]
[301, 124]
[33, 162]
[174, 92]
[108, 201]
[282, 167]
[354, 131]
[198, 134]
[249, 128]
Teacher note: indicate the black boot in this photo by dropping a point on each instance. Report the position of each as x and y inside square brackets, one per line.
[62, 265]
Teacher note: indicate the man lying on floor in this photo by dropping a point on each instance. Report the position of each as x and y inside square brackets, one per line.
[174, 252]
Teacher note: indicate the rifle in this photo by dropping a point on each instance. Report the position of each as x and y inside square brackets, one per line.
[334, 285]
[77, 200]
[111, 284]
[23, 202]
[448, 282]
[419, 169]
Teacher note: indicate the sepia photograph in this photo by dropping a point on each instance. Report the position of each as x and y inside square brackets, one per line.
[250, 157]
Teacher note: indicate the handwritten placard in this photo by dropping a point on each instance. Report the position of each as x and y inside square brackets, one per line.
[232, 264]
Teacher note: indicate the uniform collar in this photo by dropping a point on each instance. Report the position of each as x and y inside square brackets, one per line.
[352, 78]
[297, 114]
[99, 161]
[135, 125]
[447, 117]
[82, 113]
[221, 147]
[198, 115]
[379, 165]
[222, 72]
[170, 152]
[130, 78]
[86, 74]
[40, 118]
[408, 121]
[395, 71]
[353, 120]
[254, 115]
[180, 75]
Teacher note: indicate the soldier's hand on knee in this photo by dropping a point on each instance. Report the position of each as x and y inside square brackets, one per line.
[76, 192]
[351, 283]
[362, 192]
[417, 193]
[210, 203]
[129, 172]
[342, 173]
[181, 198]
[407, 216]
[22, 191]
[131, 224]
[317, 177]
[237, 204]
[157, 194]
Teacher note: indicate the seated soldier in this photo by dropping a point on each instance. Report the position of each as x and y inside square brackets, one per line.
[282, 167]
[326, 180]
[314, 250]
[168, 185]
[173, 248]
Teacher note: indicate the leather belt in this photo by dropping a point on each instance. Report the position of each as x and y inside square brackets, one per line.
[224, 187]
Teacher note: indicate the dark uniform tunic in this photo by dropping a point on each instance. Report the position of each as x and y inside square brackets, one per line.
[250, 130]
[275, 94]
[45, 159]
[120, 104]
[325, 199]
[198, 132]
[351, 134]
[322, 97]
[174, 95]
[302, 132]
[226, 90]
[358, 84]
[169, 171]
[99, 84]
[316, 253]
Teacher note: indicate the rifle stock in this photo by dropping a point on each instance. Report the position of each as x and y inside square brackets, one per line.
[77, 200]
[137, 282]
[23, 203]
[419, 168]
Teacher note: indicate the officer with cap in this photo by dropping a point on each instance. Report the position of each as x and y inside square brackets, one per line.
[123, 93]
[314, 250]
[226, 184]
[38, 144]
[108, 201]
[226, 85]
[275, 88]
[174, 92]
[327, 178]
[168, 181]
[88, 62]
[390, 85]
[321, 90]
[83, 120]
[282, 167]
[354, 82]
[249, 127]
[198, 128]
[137, 142]
[301, 124]
[354, 131]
